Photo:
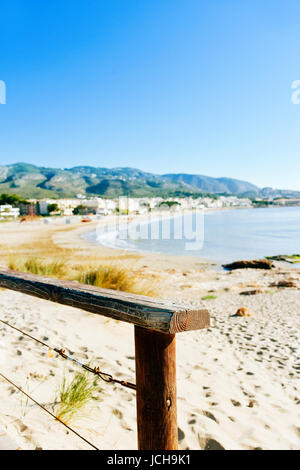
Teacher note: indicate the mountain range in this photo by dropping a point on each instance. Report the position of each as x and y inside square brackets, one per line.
[30, 181]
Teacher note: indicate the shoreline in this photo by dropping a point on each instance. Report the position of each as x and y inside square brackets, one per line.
[75, 236]
[146, 220]
[161, 214]
[109, 240]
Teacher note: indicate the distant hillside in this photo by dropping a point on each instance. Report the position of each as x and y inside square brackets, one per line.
[213, 185]
[39, 182]
[30, 181]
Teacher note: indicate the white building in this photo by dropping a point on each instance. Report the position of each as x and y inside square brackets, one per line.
[43, 205]
[129, 204]
[65, 206]
[7, 211]
[106, 206]
[234, 201]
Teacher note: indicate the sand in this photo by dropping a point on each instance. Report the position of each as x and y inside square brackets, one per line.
[238, 381]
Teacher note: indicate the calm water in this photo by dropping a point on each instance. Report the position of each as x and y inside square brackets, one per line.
[230, 235]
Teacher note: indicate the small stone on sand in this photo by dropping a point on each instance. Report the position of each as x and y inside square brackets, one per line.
[244, 312]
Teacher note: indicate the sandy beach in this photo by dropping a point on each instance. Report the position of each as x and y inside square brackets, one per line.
[238, 381]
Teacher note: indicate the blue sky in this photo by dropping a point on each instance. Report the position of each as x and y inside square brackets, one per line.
[166, 86]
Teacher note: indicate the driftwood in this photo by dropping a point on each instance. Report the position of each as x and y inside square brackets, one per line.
[254, 264]
[252, 292]
[284, 283]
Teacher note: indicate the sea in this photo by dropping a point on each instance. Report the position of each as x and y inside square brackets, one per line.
[222, 236]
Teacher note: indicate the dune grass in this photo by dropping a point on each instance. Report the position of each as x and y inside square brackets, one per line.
[38, 266]
[113, 276]
[117, 278]
[73, 397]
[107, 277]
[44, 256]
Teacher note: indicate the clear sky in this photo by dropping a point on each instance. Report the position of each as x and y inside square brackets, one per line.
[166, 86]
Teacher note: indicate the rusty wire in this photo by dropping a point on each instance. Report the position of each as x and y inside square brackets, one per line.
[108, 378]
[47, 411]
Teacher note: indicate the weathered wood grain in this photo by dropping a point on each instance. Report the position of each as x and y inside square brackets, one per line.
[139, 310]
[156, 400]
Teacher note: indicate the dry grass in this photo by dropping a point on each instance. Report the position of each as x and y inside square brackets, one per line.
[111, 276]
[108, 277]
[44, 257]
[117, 278]
[38, 266]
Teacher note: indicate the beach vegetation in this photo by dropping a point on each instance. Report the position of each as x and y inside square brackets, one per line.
[107, 277]
[111, 276]
[38, 266]
[115, 277]
[75, 396]
[209, 297]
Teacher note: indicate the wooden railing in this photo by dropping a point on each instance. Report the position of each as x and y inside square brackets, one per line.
[155, 322]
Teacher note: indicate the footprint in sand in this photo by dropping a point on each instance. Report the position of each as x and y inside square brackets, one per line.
[209, 415]
[181, 435]
[208, 443]
[120, 416]
[235, 402]
[192, 421]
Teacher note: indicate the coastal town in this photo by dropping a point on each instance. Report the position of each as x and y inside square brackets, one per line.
[15, 207]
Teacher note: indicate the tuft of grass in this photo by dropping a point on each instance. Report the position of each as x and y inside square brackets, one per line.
[116, 278]
[74, 397]
[108, 277]
[209, 297]
[38, 266]
[143, 287]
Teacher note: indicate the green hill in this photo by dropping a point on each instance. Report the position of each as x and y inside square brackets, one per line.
[30, 181]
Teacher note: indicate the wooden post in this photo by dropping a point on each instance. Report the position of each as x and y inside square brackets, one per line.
[155, 323]
[155, 360]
